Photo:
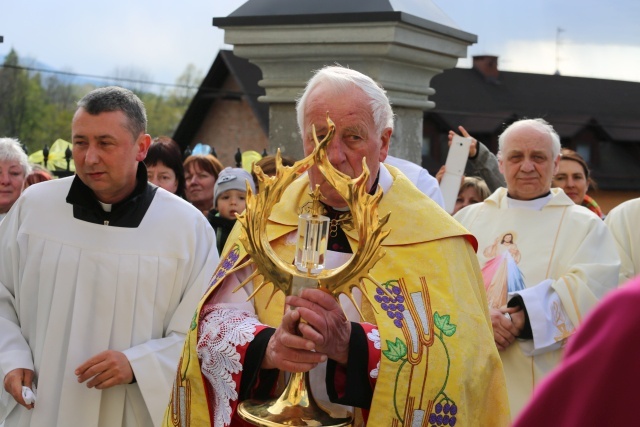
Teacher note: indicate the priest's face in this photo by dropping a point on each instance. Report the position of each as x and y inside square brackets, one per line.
[355, 137]
[106, 154]
[527, 163]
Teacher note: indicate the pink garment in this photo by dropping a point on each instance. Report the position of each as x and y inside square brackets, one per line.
[598, 379]
[501, 273]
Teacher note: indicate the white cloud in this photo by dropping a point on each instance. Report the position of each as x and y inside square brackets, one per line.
[615, 62]
[161, 37]
[603, 61]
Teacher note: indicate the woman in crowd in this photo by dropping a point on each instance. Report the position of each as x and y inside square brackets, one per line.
[14, 167]
[573, 177]
[164, 165]
[201, 173]
[473, 190]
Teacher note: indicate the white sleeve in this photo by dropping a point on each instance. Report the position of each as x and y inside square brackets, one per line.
[154, 362]
[420, 177]
[549, 321]
[621, 221]
[14, 349]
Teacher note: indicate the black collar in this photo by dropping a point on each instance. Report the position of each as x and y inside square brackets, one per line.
[127, 213]
[334, 213]
[338, 241]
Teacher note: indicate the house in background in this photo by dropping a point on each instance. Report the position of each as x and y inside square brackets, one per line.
[598, 118]
[225, 112]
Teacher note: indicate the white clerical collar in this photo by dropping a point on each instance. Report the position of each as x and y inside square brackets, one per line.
[385, 180]
[534, 205]
[105, 206]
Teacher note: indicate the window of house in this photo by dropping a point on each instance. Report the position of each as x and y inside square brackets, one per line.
[584, 149]
[426, 146]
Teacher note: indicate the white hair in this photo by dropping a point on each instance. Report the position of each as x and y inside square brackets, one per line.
[11, 150]
[540, 125]
[341, 79]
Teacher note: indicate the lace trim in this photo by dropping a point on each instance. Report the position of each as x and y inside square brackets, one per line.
[374, 337]
[221, 331]
[375, 371]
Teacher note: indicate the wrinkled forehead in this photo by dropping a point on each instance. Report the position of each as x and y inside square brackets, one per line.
[10, 163]
[326, 97]
[528, 139]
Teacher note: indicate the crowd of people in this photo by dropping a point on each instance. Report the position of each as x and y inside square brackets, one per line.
[482, 317]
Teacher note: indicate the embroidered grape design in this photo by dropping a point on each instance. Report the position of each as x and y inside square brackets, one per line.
[394, 305]
[390, 298]
[443, 415]
[225, 265]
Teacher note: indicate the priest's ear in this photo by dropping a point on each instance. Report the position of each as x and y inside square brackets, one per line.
[142, 143]
[385, 140]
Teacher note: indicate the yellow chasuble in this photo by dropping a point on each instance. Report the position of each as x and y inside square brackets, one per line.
[437, 360]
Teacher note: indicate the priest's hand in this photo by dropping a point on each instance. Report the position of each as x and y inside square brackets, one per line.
[14, 381]
[325, 323]
[288, 351]
[505, 330]
[106, 369]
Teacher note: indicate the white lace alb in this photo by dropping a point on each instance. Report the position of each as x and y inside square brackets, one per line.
[221, 331]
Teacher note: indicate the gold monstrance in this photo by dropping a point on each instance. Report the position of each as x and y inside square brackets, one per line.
[296, 406]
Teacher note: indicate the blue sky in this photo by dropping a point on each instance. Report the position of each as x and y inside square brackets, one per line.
[157, 39]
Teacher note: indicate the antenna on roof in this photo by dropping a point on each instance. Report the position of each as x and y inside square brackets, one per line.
[558, 31]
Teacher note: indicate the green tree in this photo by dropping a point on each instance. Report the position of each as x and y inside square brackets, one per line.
[31, 111]
[165, 110]
[38, 108]
[60, 106]
[186, 86]
[14, 84]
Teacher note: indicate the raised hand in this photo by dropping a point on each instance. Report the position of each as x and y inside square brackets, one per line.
[473, 148]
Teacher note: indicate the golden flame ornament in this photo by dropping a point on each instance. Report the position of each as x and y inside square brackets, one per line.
[296, 406]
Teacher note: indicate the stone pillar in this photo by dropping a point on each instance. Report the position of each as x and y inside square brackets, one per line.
[402, 54]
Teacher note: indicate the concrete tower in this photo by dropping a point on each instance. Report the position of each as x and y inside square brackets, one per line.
[401, 44]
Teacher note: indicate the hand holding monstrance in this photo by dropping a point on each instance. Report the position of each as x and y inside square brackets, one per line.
[325, 323]
[327, 330]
